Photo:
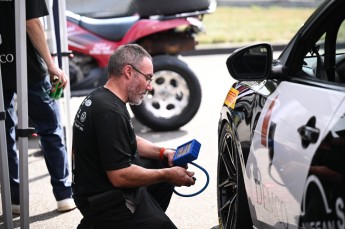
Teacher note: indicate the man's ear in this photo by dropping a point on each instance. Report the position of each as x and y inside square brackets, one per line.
[127, 71]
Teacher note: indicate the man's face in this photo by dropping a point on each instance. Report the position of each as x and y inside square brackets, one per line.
[141, 82]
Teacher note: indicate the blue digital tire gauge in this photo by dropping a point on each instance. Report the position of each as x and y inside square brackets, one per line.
[186, 153]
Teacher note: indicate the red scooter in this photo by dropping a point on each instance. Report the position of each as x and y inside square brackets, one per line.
[164, 28]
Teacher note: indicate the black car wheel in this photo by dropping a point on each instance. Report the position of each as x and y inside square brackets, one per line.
[233, 207]
[175, 98]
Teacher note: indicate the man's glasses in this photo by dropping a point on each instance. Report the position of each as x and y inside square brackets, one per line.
[148, 77]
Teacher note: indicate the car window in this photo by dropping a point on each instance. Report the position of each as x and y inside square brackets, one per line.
[310, 60]
[340, 57]
[341, 36]
[327, 64]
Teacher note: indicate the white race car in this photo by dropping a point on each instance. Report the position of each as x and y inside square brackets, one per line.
[281, 152]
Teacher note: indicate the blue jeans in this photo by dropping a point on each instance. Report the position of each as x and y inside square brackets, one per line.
[44, 113]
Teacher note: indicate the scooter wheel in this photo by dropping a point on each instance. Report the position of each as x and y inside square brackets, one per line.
[175, 98]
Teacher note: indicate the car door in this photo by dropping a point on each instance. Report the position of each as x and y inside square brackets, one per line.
[293, 123]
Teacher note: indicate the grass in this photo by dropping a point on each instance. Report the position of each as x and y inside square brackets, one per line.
[252, 24]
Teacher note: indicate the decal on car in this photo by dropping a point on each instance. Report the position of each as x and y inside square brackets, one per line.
[266, 122]
[231, 97]
[330, 215]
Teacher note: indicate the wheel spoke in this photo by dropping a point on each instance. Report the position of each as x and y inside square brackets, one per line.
[227, 157]
[229, 211]
[233, 212]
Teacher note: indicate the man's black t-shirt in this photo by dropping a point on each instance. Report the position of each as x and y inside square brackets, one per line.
[35, 65]
[103, 139]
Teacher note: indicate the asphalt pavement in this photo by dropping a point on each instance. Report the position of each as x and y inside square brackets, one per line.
[42, 205]
[199, 212]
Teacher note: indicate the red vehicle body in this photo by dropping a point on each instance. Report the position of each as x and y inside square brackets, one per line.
[176, 94]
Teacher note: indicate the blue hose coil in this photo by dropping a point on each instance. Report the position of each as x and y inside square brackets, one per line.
[201, 190]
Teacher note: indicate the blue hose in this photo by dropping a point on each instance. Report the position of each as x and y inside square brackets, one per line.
[201, 190]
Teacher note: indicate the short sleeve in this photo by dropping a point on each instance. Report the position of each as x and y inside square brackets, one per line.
[36, 9]
[114, 139]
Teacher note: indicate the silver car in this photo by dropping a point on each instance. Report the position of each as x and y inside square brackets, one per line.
[281, 152]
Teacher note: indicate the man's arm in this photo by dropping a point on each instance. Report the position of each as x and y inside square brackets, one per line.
[36, 34]
[149, 150]
[136, 176]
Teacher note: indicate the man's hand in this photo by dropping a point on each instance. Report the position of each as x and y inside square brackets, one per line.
[169, 154]
[57, 75]
[179, 176]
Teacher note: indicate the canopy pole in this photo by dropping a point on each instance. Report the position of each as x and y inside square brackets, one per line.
[4, 179]
[63, 52]
[22, 94]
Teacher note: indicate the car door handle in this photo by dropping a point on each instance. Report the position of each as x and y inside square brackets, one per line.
[309, 135]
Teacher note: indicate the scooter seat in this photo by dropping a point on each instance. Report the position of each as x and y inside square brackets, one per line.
[112, 29]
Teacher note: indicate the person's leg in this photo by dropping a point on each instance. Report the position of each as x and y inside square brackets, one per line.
[44, 112]
[85, 225]
[161, 192]
[148, 215]
[11, 122]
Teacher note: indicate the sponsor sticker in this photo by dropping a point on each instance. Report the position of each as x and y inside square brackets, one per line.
[230, 99]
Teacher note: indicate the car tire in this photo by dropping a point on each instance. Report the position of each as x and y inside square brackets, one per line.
[233, 209]
[175, 98]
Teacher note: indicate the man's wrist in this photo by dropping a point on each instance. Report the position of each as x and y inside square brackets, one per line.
[161, 153]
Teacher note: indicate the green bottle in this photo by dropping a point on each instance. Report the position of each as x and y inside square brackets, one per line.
[57, 93]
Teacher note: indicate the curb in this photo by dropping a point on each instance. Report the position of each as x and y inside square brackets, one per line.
[222, 49]
[270, 3]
